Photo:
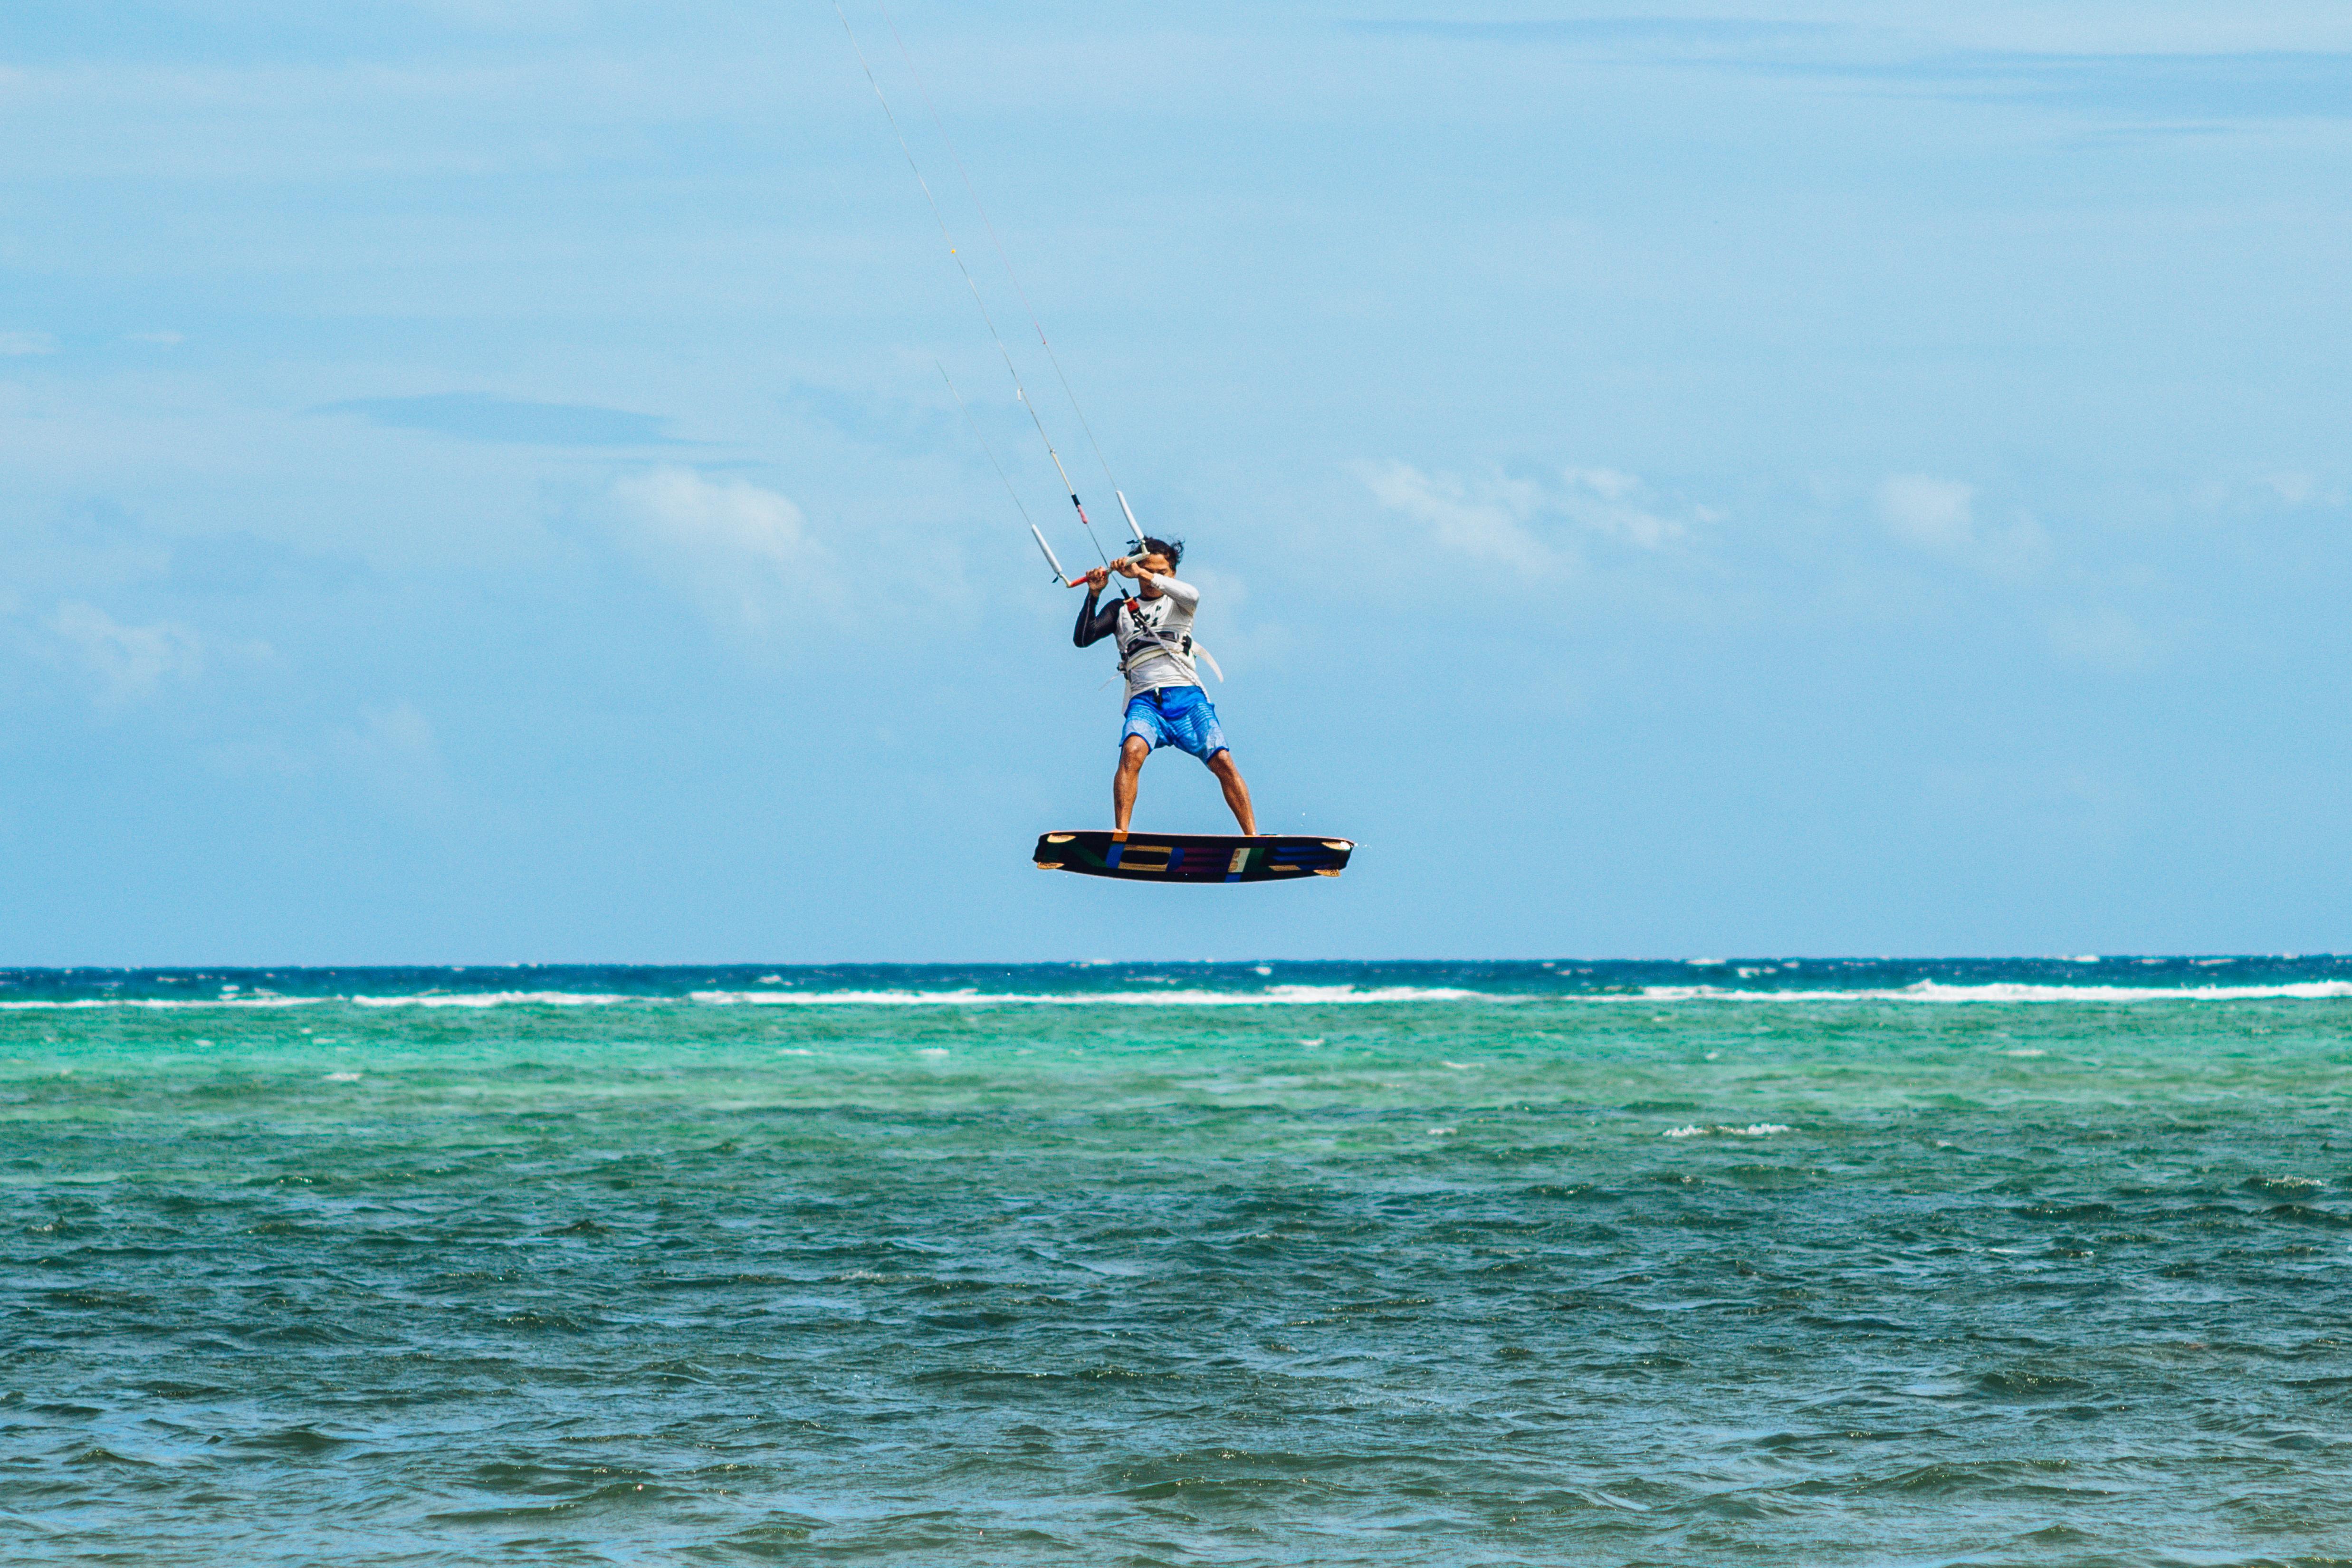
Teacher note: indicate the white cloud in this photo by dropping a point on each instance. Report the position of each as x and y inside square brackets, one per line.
[507, 14]
[2298, 489]
[268, 757]
[128, 662]
[1933, 513]
[1491, 528]
[1516, 522]
[2018, 551]
[18, 344]
[1940, 516]
[395, 752]
[1605, 482]
[1604, 500]
[743, 552]
[397, 732]
[2105, 638]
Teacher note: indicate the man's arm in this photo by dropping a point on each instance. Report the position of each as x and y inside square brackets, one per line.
[1184, 593]
[1095, 625]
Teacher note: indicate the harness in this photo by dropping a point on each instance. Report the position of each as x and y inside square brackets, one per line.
[1151, 642]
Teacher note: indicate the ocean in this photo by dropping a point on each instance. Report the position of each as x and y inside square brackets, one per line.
[1754, 1262]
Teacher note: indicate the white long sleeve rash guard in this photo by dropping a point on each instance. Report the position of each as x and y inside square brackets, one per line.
[1155, 636]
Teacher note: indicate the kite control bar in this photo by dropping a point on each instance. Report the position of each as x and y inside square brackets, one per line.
[1133, 527]
[1055, 562]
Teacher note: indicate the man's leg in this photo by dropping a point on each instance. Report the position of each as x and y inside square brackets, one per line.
[1131, 752]
[1228, 778]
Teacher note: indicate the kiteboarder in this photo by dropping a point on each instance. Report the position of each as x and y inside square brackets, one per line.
[1166, 705]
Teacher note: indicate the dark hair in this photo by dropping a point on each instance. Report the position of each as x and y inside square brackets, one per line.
[1171, 548]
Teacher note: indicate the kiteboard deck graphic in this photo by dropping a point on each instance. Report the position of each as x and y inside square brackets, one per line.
[1193, 857]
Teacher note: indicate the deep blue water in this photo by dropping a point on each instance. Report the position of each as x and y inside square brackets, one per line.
[2091, 975]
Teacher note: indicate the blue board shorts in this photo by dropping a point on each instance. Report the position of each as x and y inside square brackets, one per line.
[1175, 716]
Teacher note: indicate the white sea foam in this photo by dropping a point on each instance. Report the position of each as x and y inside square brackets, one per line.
[494, 999]
[170, 1001]
[1753, 1130]
[420, 999]
[1268, 996]
[2005, 991]
[1271, 996]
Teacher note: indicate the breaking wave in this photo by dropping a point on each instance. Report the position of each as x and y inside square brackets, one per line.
[1274, 984]
[1270, 997]
[1931, 991]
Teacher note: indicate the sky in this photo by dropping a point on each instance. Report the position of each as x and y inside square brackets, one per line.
[477, 481]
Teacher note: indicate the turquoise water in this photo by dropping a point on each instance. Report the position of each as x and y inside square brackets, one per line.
[1753, 1263]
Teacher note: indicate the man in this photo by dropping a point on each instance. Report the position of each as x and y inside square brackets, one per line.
[1165, 704]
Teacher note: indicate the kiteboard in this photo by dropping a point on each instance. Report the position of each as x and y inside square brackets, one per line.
[1193, 857]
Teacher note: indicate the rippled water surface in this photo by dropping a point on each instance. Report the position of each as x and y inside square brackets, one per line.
[1751, 1264]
